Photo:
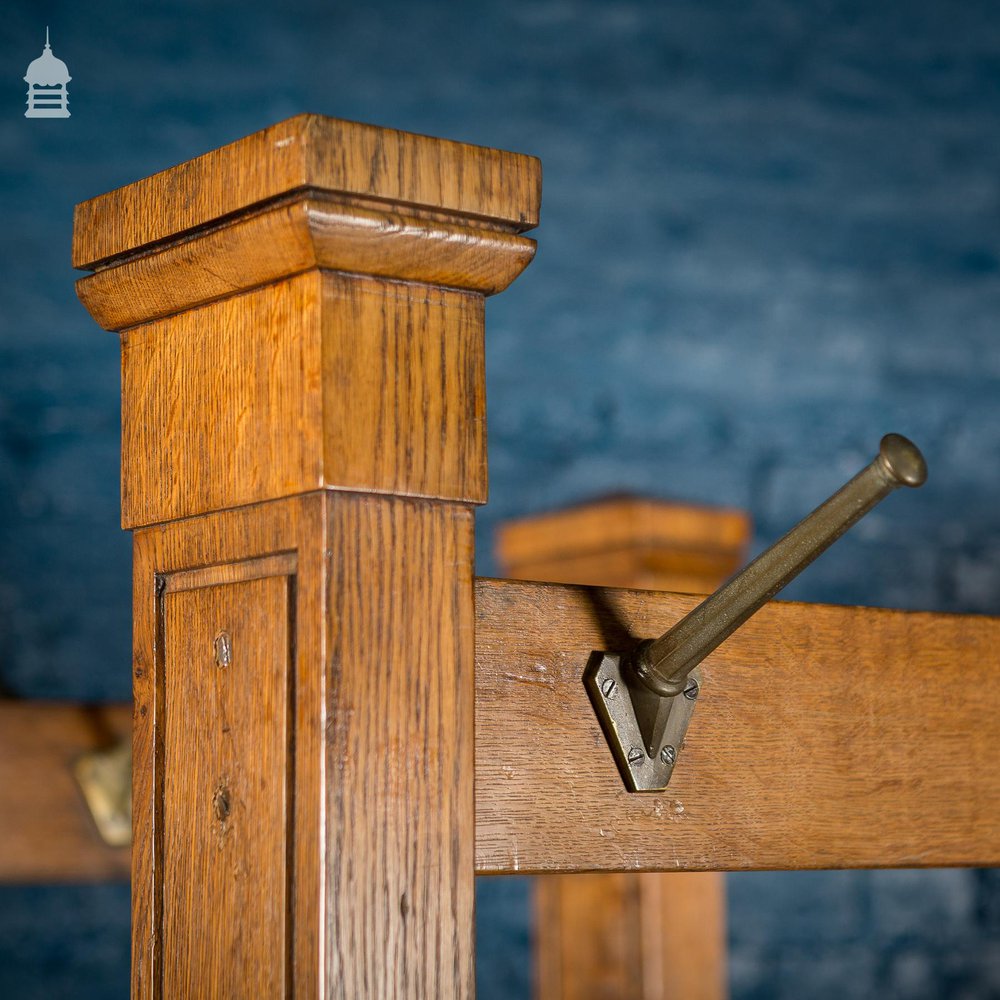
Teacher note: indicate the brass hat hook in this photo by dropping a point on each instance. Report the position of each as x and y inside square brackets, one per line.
[644, 700]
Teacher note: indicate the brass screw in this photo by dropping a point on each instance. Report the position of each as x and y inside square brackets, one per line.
[668, 754]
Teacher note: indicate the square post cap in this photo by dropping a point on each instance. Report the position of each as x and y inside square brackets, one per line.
[309, 192]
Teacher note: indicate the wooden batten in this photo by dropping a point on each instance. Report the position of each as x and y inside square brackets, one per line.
[301, 316]
[623, 521]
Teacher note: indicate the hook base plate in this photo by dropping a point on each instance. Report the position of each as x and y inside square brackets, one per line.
[611, 691]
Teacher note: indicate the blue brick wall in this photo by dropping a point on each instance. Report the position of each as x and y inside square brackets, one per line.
[771, 231]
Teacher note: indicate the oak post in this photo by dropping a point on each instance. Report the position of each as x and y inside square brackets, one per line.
[648, 936]
[301, 318]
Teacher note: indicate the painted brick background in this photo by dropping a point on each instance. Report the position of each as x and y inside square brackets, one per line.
[771, 232]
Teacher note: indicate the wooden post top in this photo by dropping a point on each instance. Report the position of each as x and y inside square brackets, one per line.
[363, 162]
[303, 309]
[308, 193]
[620, 520]
[626, 540]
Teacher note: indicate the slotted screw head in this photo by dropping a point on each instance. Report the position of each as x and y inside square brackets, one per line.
[635, 756]
[691, 691]
[668, 754]
[609, 687]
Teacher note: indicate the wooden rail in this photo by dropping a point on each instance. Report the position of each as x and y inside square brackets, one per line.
[46, 831]
[825, 737]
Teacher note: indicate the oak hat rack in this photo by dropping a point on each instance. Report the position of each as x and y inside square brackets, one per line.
[301, 321]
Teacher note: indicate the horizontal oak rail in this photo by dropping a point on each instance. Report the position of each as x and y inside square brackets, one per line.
[825, 737]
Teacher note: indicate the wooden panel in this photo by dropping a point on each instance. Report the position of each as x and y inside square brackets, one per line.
[825, 737]
[310, 151]
[222, 405]
[400, 888]
[414, 420]
[46, 831]
[231, 904]
[383, 741]
[226, 759]
[289, 238]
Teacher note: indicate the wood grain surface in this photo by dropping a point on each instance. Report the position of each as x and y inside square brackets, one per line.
[825, 737]
[588, 938]
[622, 936]
[404, 389]
[601, 527]
[683, 921]
[382, 705]
[222, 406]
[227, 888]
[309, 151]
[400, 827]
[46, 831]
[226, 761]
[638, 566]
[318, 380]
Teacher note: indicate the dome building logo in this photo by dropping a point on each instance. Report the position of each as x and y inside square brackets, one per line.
[47, 77]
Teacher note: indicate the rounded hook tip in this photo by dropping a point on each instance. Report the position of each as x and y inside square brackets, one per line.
[903, 461]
